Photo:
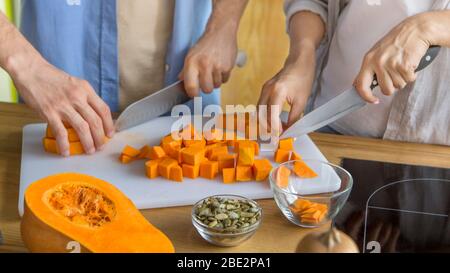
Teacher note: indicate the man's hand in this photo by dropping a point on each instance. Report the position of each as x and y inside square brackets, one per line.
[56, 96]
[209, 63]
[395, 58]
[60, 98]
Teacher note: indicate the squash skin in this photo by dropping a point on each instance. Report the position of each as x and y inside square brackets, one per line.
[44, 230]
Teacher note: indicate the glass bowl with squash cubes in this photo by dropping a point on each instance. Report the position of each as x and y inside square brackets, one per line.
[226, 220]
[310, 192]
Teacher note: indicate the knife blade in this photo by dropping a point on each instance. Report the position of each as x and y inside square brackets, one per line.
[160, 102]
[152, 106]
[343, 104]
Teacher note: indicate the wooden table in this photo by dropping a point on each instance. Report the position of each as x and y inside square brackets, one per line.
[275, 235]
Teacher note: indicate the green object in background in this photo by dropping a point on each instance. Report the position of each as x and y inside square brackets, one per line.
[8, 92]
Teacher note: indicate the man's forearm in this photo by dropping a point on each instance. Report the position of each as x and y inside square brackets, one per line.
[16, 53]
[226, 14]
[306, 31]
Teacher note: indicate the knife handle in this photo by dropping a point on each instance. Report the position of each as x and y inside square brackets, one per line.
[428, 58]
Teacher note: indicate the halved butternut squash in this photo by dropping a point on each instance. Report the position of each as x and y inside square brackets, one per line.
[69, 207]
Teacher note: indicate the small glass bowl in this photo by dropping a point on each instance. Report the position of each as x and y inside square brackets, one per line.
[307, 206]
[226, 238]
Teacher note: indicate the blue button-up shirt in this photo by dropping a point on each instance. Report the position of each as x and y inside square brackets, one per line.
[80, 37]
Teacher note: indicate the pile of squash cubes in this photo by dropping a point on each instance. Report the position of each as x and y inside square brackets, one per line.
[192, 155]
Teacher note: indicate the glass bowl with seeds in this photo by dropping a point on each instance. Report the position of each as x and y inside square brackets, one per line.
[226, 220]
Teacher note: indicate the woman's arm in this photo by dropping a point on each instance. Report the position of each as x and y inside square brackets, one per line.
[209, 63]
[294, 82]
[56, 96]
[396, 56]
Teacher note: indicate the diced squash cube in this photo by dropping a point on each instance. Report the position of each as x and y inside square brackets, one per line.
[176, 173]
[301, 204]
[198, 143]
[170, 139]
[295, 156]
[144, 152]
[217, 151]
[71, 134]
[261, 169]
[130, 151]
[125, 159]
[286, 144]
[244, 173]
[246, 155]
[209, 169]
[246, 143]
[304, 171]
[171, 147]
[178, 155]
[151, 168]
[165, 165]
[191, 171]
[282, 176]
[51, 146]
[226, 161]
[156, 152]
[282, 156]
[229, 175]
[192, 155]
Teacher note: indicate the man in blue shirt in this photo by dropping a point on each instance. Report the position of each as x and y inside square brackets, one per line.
[80, 60]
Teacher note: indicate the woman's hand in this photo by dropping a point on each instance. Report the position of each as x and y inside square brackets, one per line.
[292, 85]
[394, 58]
[60, 98]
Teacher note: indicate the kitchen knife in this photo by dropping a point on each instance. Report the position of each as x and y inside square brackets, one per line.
[342, 104]
[159, 102]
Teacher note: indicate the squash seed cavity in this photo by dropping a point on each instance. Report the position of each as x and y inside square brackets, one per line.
[81, 204]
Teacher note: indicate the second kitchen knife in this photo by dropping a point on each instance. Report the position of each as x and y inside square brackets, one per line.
[342, 104]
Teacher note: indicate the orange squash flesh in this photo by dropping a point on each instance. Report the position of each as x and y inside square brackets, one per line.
[130, 151]
[226, 161]
[286, 144]
[156, 152]
[282, 156]
[188, 153]
[71, 134]
[308, 211]
[209, 169]
[151, 168]
[244, 173]
[295, 156]
[229, 175]
[261, 169]
[282, 176]
[304, 171]
[52, 218]
[191, 171]
[51, 146]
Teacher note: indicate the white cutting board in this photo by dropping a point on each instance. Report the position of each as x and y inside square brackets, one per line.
[130, 178]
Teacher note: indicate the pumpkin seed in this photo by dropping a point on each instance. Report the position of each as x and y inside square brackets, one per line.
[221, 216]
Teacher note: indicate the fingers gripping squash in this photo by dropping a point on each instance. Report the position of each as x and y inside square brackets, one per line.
[75, 207]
